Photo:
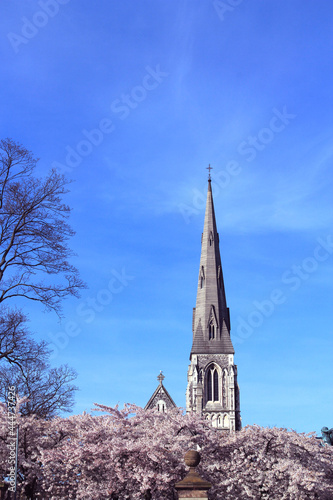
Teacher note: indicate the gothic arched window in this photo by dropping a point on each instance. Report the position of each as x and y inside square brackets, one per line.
[212, 384]
[211, 329]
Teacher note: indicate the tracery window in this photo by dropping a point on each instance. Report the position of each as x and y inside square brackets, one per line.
[212, 384]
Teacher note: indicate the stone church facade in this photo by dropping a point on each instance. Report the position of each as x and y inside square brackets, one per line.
[212, 388]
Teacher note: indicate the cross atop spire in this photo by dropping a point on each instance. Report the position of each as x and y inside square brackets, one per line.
[209, 168]
[161, 377]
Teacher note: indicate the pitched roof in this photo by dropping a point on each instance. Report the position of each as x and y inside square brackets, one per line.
[160, 394]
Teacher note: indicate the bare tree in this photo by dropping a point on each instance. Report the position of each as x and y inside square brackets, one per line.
[33, 264]
[34, 231]
[16, 344]
[48, 391]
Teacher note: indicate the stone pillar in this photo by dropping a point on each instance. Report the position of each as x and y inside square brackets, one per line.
[192, 487]
[199, 398]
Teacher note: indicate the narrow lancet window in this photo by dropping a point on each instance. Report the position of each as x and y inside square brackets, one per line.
[161, 406]
[212, 384]
[209, 386]
[216, 386]
[211, 330]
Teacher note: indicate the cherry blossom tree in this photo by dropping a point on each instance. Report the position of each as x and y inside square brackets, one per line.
[131, 453]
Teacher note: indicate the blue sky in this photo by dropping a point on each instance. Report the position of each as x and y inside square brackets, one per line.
[133, 100]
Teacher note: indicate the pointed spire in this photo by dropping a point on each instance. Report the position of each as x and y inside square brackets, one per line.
[211, 322]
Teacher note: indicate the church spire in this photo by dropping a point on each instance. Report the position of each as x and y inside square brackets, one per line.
[211, 320]
[212, 388]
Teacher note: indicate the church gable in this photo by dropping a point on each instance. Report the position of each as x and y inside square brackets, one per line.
[161, 399]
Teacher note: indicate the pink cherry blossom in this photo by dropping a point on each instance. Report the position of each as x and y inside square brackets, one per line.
[123, 453]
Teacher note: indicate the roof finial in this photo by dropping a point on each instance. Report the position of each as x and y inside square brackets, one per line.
[161, 377]
[209, 168]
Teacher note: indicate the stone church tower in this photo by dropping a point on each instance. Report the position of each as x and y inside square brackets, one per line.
[212, 388]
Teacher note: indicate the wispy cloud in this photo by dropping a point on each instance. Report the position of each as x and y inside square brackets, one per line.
[292, 200]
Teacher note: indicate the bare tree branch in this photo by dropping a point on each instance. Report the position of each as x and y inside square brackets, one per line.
[34, 232]
[34, 264]
[49, 391]
[16, 345]
[12, 155]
